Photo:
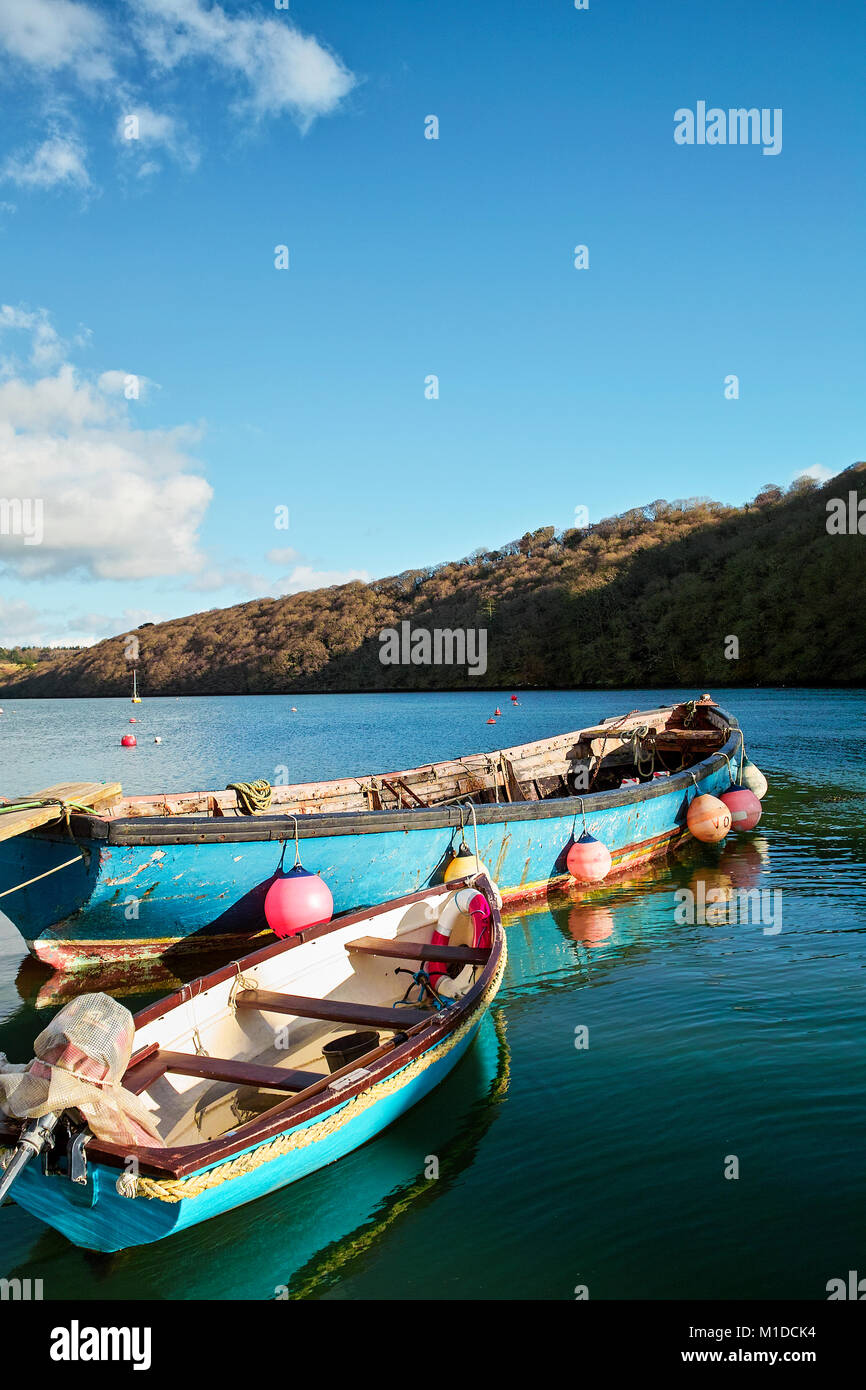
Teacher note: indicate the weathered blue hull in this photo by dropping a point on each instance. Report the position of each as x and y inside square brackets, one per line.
[156, 886]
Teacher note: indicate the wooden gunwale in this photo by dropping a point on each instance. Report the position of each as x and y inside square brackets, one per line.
[176, 830]
[309, 1104]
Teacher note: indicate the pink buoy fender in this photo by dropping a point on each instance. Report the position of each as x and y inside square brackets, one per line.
[462, 920]
[297, 900]
[744, 806]
[589, 859]
[708, 819]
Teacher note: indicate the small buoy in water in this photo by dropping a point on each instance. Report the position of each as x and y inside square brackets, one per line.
[133, 721]
[129, 741]
[294, 709]
[463, 863]
[157, 740]
[497, 710]
[744, 806]
[297, 900]
[708, 819]
[752, 777]
[491, 721]
[589, 859]
[514, 699]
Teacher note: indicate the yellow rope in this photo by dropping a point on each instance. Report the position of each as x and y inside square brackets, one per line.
[176, 1189]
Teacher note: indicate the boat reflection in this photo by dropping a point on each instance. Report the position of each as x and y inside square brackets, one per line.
[132, 981]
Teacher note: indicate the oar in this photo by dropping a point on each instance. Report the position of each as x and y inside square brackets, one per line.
[31, 1141]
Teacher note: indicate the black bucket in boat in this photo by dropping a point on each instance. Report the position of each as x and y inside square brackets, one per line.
[341, 1051]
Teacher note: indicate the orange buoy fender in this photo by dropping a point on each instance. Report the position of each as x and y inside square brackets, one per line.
[708, 819]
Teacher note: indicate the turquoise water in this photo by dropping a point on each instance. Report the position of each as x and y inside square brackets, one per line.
[558, 1166]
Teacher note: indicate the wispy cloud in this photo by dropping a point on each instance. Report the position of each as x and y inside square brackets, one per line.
[47, 36]
[276, 67]
[816, 471]
[141, 132]
[58, 161]
[304, 577]
[58, 51]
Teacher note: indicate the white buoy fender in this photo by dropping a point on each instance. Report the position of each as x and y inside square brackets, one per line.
[753, 778]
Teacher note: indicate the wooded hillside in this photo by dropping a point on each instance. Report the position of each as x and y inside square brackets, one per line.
[645, 598]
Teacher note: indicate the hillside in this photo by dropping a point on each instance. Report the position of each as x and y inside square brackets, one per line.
[645, 598]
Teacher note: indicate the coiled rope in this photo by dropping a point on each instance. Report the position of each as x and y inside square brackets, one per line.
[252, 796]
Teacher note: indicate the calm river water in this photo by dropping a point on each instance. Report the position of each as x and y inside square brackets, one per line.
[559, 1166]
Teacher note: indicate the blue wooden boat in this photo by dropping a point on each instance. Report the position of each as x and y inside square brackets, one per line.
[231, 1069]
[143, 877]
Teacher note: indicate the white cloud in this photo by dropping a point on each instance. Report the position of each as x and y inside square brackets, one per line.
[268, 65]
[125, 384]
[282, 69]
[140, 130]
[285, 556]
[303, 577]
[217, 576]
[116, 502]
[48, 35]
[816, 471]
[18, 622]
[58, 161]
[46, 347]
[23, 625]
[54, 402]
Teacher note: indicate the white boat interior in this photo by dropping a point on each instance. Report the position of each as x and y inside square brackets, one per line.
[222, 1054]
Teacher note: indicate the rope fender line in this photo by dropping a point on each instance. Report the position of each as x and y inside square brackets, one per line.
[55, 870]
[177, 1189]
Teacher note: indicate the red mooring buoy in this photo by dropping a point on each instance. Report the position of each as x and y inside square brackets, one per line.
[129, 741]
[297, 900]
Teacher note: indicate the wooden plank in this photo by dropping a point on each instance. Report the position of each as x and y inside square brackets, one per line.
[417, 950]
[409, 792]
[551, 786]
[330, 1010]
[86, 793]
[515, 791]
[141, 1077]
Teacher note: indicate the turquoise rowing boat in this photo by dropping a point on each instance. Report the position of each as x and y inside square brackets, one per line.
[231, 1073]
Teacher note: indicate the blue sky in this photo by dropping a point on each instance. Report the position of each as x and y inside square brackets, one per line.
[305, 387]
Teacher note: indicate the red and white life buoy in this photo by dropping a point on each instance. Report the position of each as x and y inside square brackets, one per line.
[464, 919]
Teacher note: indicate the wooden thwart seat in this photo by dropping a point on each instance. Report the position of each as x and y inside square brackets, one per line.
[151, 1068]
[330, 1010]
[417, 950]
